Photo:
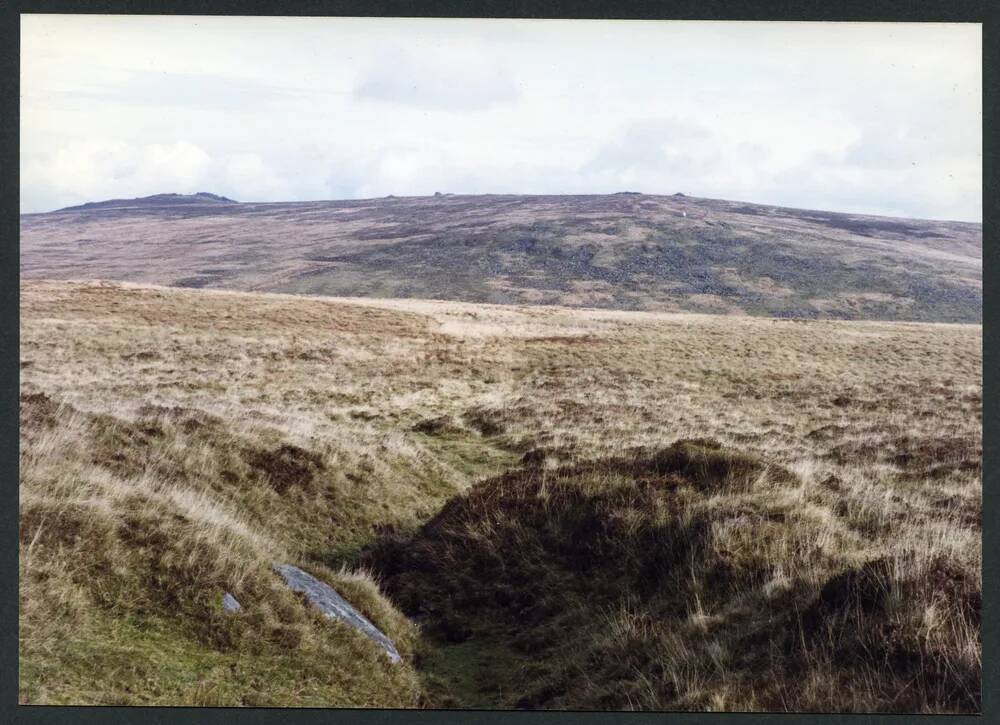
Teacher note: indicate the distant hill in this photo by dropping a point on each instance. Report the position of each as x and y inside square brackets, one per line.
[620, 251]
[156, 200]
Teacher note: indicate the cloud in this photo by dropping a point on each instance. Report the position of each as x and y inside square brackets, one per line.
[451, 80]
[248, 177]
[670, 154]
[101, 170]
[944, 189]
[181, 163]
[190, 90]
[917, 139]
[663, 145]
[314, 108]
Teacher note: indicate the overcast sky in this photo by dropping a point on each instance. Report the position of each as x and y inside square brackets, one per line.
[872, 118]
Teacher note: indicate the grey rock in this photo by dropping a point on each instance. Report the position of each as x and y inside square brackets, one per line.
[329, 602]
[229, 603]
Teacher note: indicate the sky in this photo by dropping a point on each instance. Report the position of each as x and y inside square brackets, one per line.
[859, 117]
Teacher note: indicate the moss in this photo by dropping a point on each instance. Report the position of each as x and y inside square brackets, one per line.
[484, 673]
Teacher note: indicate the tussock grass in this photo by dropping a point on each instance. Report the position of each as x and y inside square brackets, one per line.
[689, 578]
[511, 475]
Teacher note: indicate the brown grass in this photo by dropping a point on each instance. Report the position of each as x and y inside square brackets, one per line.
[689, 578]
[615, 251]
[175, 442]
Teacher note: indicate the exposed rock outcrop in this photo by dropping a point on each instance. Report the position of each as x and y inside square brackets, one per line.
[229, 603]
[329, 602]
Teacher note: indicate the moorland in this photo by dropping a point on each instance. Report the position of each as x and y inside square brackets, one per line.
[543, 506]
[625, 251]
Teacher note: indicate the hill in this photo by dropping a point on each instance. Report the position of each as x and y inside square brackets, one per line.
[573, 508]
[152, 202]
[622, 251]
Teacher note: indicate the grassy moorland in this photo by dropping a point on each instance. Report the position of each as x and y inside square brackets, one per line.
[617, 251]
[543, 507]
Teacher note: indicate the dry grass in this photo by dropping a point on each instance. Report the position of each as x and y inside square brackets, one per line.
[691, 578]
[175, 442]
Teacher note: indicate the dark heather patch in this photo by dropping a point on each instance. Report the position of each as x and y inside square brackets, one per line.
[852, 615]
[438, 425]
[37, 410]
[285, 466]
[506, 542]
[485, 420]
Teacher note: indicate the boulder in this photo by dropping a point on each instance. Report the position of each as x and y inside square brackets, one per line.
[229, 603]
[329, 602]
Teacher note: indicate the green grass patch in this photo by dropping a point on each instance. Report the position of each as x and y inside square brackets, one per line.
[120, 659]
[480, 673]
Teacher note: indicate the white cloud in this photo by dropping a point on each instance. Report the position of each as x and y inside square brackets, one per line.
[668, 146]
[451, 78]
[180, 163]
[851, 117]
[199, 91]
[248, 177]
[106, 169]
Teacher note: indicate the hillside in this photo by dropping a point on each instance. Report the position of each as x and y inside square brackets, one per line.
[622, 251]
[152, 202]
[543, 507]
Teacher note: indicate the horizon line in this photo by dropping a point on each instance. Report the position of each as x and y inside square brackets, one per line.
[443, 194]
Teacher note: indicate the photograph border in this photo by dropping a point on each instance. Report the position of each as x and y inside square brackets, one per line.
[797, 10]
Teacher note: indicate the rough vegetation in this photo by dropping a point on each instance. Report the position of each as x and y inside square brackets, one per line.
[618, 251]
[689, 578]
[577, 508]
